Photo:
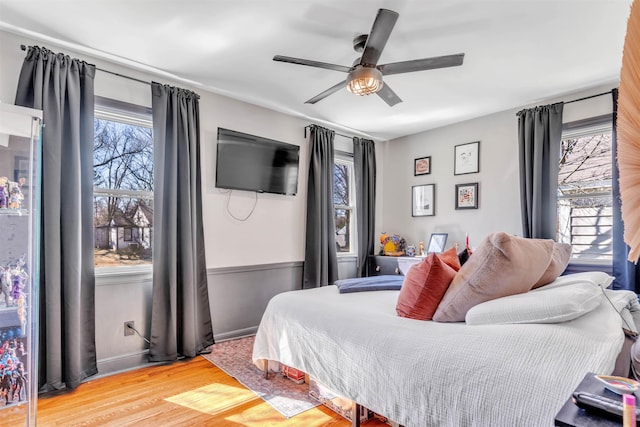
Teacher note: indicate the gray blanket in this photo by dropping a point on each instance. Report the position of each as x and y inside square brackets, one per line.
[373, 283]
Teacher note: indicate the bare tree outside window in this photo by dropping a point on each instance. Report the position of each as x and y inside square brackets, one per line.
[342, 202]
[123, 193]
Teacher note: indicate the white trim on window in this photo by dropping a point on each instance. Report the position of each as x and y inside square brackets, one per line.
[345, 158]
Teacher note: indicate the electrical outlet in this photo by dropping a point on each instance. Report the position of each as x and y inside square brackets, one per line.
[128, 328]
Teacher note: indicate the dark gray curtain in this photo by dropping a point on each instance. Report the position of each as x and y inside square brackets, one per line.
[364, 161]
[627, 274]
[62, 88]
[320, 259]
[180, 316]
[539, 135]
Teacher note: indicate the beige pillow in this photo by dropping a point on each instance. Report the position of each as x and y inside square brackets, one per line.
[502, 265]
[559, 261]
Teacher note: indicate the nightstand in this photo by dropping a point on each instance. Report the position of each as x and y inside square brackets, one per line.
[378, 265]
[571, 415]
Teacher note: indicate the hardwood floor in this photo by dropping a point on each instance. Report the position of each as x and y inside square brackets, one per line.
[193, 392]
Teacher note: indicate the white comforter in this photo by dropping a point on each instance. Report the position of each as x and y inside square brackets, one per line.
[423, 373]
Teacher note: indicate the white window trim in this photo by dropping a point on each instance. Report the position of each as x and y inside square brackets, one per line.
[347, 158]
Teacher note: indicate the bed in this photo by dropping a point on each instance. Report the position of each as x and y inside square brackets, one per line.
[427, 373]
[501, 339]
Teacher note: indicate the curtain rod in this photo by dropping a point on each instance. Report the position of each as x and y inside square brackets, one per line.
[23, 47]
[589, 97]
[339, 134]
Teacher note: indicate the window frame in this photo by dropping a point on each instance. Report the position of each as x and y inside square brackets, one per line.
[580, 128]
[137, 115]
[347, 158]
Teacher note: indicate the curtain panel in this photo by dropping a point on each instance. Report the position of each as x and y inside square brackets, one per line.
[539, 135]
[180, 314]
[320, 260]
[62, 88]
[364, 160]
[626, 273]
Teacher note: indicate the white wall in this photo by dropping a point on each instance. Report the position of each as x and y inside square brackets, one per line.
[499, 182]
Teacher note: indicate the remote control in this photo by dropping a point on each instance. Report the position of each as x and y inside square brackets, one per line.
[604, 406]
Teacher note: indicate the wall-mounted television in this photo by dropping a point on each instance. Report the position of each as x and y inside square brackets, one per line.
[253, 163]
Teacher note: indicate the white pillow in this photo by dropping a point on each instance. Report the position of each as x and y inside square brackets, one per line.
[598, 278]
[566, 298]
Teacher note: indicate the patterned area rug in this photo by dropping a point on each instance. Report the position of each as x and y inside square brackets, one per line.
[287, 397]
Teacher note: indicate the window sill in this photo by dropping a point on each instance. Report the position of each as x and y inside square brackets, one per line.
[120, 275]
[346, 255]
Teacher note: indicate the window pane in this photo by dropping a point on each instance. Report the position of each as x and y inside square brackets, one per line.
[586, 223]
[584, 196]
[341, 174]
[123, 186]
[123, 229]
[343, 230]
[585, 164]
[122, 156]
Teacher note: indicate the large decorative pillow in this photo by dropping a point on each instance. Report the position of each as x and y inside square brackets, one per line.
[423, 287]
[501, 265]
[549, 304]
[559, 260]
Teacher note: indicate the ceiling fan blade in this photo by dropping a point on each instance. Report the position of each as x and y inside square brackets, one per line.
[310, 63]
[377, 39]
[327, 92]
[388, 95]
[421, 64]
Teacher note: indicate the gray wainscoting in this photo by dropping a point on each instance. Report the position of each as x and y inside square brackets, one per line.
[239, 295]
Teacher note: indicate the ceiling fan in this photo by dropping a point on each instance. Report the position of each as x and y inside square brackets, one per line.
[364, 77]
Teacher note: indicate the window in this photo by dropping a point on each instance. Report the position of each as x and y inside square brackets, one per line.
[123, 184]
[584, 190]
[343, 204]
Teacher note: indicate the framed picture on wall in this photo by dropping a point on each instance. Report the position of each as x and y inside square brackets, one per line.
[466, 158]
[423, 200]
[422, 166]
[467, 196]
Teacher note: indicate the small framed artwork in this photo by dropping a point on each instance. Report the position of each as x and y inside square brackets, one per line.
[467, 196]
[423, 200]
[466, 158]
[422, 166]
[437, 242]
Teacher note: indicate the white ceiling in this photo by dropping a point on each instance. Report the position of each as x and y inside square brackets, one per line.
[517, 52]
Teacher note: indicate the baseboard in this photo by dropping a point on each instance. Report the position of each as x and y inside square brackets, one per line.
[239, 333]
[126, 362]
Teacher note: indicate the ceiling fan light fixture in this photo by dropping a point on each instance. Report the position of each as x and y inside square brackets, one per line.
[364, 81]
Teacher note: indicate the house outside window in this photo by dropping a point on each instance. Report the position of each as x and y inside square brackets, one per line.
[344, 205]
[585, 218]
[123, 184]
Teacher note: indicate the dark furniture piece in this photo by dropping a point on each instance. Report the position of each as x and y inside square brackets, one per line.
[571, 415]
[378, 265]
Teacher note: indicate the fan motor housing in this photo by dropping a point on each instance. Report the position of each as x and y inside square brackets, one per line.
[359, 41]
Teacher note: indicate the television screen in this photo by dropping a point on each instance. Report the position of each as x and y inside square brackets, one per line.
[252, 163]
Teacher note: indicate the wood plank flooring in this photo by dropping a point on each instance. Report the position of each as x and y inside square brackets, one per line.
[192, 392]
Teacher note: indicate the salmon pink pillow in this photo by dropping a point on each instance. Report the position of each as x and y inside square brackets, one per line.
[450, 257]
[423, 288]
